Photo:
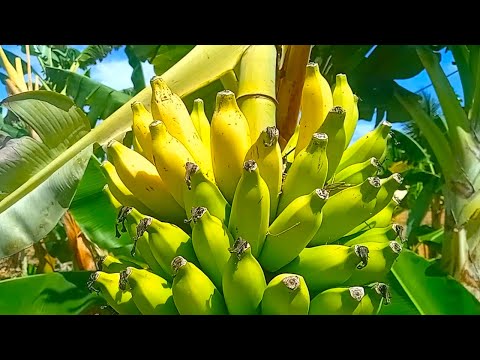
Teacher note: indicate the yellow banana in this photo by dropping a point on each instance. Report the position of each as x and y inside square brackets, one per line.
[372, 144]
[384, 234]
[193, 292]
[343, 96]
[250, 214]
[358, 173]
[142, 141]
[358, 202]
[351, 123]
[308, 171]
[211, 241]
[267, 154]
[229, 141]
[317, 101]
[141, 178]
[286, 294]
[151, 293]
[288, 153]
[326, 266]
[107, 284]
[243, 281]
[337, 301]
[200, 191]
[200, 121]
[293, 229]
[169, 108]
[110, 264]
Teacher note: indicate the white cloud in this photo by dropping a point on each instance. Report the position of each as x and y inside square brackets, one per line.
[148, 72]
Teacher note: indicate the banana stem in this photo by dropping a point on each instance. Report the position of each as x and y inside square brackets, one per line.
[29, 68]
[190, 169]
[229, 81]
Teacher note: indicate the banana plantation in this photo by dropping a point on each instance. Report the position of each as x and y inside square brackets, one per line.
[240, 180]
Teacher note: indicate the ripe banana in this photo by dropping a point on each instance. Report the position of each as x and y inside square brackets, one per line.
[142, 141]
[211, 241]
[169, 108]
[372, 144]
[326, 266]
[308, 171]
[358, 173]
[193, 292]
[351, 123]
[385, 234]
[317, 100]
[200, 191]
[357, 201]
[243, 280]
[293, 229]
[200, 121]
[343, 96]
[286, 294]
[121, 301]
[337, 301]
[151, 293]
[250, 214]
[229, 141]
[267, 154]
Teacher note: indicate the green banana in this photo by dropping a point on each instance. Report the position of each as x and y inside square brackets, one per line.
[193, 292]
[121, 301]
[358, 173]
[337, 301]
[385, 234]
[250, 208]
[288, 152]
[200, 191]
[243, 280]
[351, 123]
[211, 241]
[372, 144]
[286, 294]
[357, 201]
[343, 96]
[110, 264]
[388, 186]
[325, 266]
[376, 295]
[293, 229]
[267, 154]
[151, 293]
[307, 173]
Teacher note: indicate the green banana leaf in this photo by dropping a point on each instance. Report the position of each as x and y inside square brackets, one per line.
[138, 79]
[168, 55]
[429, 295]
[54, 293]
[93, 53]
[59, 124]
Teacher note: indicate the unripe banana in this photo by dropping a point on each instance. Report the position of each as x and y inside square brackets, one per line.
[288, 153]
[107, 284]
[372, 144]
[357, 201]
[200, 191]
[286, 294]
[333, 127]
[250, 208]
[326, 266]
[200, 121]
[307, 173]
[358, 173]
[376, 295]
[141, 178]
[110, 264]
[388, 186]
[193, 292]
[113, 200]
[380, 235]
[229, 141]
[380, 260]
[292, 230]
[267, 154]
[151, 293]
[142, 141]
[169, 108]
[343, 96]
[211, 241]
[337, 301]
[351, 123]
[243, 281]
[317, 100]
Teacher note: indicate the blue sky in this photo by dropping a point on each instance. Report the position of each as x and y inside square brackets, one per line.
[114, 71]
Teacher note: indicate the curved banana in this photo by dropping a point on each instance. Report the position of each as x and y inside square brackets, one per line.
[211, 241]
[307, 173]
[107, 284]
[317, 100]
[388, 186]
[292, 230]
[243, 280]
[141, 177]
[151, 293]
[286, 294]
[229, 141]
[200, 121]
[337, 301]
[200, 191]
[142, 141]
[169, 108]
[357, 201]
[288, 153]
[358, 173]
[193, 292]
[376, 295]
[326, 266]
[267, 154]
[351, 123]
[250, 214]
[372, 144]
[343, 96]
[110, 264]
[384, 234]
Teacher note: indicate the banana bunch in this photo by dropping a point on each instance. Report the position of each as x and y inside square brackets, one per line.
[223, 222]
